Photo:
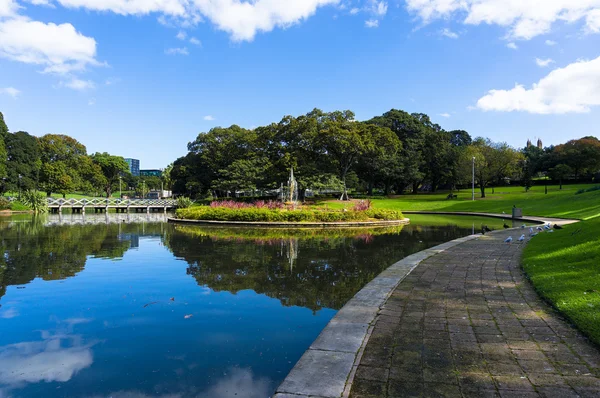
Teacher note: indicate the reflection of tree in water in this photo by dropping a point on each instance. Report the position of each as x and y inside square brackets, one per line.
[327, 270]
[32, 250]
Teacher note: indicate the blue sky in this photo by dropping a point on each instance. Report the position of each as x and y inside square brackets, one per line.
[142, 78]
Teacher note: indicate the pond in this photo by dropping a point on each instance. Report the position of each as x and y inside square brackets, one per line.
[131, 306]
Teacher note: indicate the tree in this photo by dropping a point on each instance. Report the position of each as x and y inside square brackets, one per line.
[23, 161]
[560, 172]
[3, 152]
[582, 155]
[343, 141]
[243, 175]
[381, 146]
[493, 161]
[112, 167]
[60, 156]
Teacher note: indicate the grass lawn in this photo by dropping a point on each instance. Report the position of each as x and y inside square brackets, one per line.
[565, 270]
[564, 267]
[557, 203]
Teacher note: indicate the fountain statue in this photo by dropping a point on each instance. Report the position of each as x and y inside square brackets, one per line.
[290, 194]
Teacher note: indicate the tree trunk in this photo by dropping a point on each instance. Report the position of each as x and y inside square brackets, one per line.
[560, 184]
[415, 188]
[370, 189]
[482, 187]
[48, 194]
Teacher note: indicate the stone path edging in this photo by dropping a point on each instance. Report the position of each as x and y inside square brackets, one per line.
[327, 367]
[382, 223]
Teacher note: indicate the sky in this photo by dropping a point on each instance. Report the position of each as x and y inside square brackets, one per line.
[142, 78]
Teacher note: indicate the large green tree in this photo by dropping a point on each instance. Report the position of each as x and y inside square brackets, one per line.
[23, 161]
[112, 168]
[60, 157]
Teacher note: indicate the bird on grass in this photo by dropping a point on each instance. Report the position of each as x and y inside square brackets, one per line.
[530, 231]
[486, 228]
[523, 226]
[522, 238]
[506, 226]
[539, 228]
[556, 226]
[546, 226]
[508, 240]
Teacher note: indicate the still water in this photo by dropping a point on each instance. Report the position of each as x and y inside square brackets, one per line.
[130, 306]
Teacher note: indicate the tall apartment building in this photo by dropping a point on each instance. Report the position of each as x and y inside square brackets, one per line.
[134, 166]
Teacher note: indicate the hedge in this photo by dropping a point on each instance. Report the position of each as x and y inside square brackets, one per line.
[276, 215]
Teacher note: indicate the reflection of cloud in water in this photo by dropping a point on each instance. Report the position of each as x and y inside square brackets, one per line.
[236, 383]
[57, 357]
[239, 383]
[7, 314]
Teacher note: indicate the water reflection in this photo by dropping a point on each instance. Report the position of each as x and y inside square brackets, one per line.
[57, 357]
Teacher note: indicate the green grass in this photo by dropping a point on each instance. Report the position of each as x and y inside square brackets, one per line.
[564, 269]
[557, 203]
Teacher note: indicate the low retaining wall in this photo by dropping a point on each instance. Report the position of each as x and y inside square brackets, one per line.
[266, 224]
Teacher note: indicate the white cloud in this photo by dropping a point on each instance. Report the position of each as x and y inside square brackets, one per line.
[542, 63]
[445, 114]
[59, 48]
[195, 41]
[130, 7]
[92, 101]
[209, 118]
[512, 46]
[523, 19]
[177, 51]
[372, 23]
[181, 35]
[592, 20]
[11, 312]
[354, 11]
[46, 3]
[13, 92]
[243, 19]
[378, 8]
[550, 42]
[79, 85]
[448, 33]
[111, 80]
[572, 89]
[8, 8]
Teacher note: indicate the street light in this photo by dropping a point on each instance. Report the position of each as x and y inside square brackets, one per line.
[20, 186]
[473, 191]
[120, 193]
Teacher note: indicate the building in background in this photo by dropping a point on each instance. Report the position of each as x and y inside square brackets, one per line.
[134, 166]
[150, 173]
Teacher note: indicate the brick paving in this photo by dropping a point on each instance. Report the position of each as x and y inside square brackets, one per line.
[466, 323]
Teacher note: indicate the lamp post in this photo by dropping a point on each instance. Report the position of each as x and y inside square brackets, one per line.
[20, 186]
[143, 188]
[120, 193]
[473, 181]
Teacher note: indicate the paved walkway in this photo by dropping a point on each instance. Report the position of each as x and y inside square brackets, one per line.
[465, 323]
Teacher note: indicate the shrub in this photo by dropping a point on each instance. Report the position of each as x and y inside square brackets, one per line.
[184, 202]
[264, 214]
[4, 203]
[591, 189]
[35, 201]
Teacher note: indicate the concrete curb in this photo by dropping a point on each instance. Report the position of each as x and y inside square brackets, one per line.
[327, 368]
[382, 223]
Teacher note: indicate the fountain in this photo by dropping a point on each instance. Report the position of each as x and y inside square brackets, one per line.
[289, 193]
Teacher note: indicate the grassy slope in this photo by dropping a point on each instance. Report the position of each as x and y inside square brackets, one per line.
[557, 203]
[564, 268]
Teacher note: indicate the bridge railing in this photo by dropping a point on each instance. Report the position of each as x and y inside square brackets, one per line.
[99, 202]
